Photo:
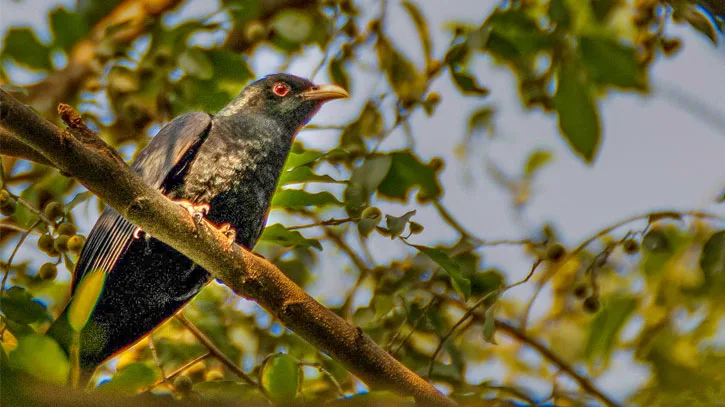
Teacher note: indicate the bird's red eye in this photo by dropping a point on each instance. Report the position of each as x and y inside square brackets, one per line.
[280, 89]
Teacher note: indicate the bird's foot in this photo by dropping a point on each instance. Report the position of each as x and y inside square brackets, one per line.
[229, 232]
[197, 211]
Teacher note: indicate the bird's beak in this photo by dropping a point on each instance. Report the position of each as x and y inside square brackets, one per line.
[324, 93]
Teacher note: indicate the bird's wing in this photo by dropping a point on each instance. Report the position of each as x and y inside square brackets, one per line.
[167, 154]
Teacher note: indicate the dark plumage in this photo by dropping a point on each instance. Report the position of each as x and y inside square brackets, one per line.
[230, 161]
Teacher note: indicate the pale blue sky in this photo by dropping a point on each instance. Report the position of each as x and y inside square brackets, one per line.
[655, 154]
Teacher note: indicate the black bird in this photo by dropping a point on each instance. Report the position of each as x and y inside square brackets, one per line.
[226, 166]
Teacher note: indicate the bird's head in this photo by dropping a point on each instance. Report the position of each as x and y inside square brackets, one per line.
[286, 97]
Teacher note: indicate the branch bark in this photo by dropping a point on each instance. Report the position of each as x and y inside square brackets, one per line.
[99, 169]
[12, 147]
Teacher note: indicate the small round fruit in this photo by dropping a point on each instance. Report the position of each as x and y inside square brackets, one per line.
[75, 243]
[8, 207]
[591, 304]
[212, 375]
[60, 243]
[183, 384]
[66, 228]
[45, 243]
[53, 210]
[630, 246]
[581, 290]
[555, 252]
[4, 197]
[48, 272]
[255, 31]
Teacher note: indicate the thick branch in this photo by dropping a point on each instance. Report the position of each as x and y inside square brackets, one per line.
[246, 274]
[12, 147]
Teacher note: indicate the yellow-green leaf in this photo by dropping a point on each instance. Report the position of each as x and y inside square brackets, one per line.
[41, 357]
[280, 378]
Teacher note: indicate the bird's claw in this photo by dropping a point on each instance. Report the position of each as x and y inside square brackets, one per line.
[137, 233]
[197, 211]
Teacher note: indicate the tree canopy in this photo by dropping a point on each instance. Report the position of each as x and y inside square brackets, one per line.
[643, 291]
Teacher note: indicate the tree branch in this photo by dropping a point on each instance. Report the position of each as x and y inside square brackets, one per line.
[12, 147]
[98, 168]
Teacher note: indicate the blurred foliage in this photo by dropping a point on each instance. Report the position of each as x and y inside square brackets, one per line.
[647, 294]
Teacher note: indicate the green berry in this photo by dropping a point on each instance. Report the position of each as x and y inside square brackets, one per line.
[255, 31]
[630, 246]
[555, 252]
[75, 243]
[591, 304]
[48, 272]
[4, 197]
[66, 228]
[183, 384]
[54, 210]
[45, 243]
[60, 243]
[8, 207]
[581, 290]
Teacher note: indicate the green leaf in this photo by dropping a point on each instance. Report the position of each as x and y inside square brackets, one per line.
[481, 120]
[700, 22]
[382, 303]
[303, 174]
[461, 284]
[304, 157]
[297, 198]
[41, 357]
[280, 378]
[485, 282]
[67, 28]
[421, 24]
[513, 35]
[368, 125]
[489, 325]
[402, 75]
[195, 62]
[560, 14]
[467, 83]
[338, 74]
[279, 235]
[371, 172]
[23, 46]
[18, 305]
[408, 172]
[537, 160]
[605, 327]
[610, 63]
[131, 379]
[578, 117]
[602, 8]
[293, 25]
[396, 224]
[712, 258]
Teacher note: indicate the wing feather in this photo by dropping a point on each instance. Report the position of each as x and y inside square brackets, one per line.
[170, 150]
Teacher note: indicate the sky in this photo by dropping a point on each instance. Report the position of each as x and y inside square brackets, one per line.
[661, 151]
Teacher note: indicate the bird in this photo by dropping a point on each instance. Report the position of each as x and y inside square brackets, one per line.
[222, 167]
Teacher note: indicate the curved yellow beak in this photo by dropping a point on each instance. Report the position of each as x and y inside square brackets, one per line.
[324, 93]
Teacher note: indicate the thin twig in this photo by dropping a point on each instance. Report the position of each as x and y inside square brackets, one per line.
[9, 265]
[214, 350]
[329, 222]
[32, 209]
[473, 308]
[152, 348]
[423, 314]
[179, 370]
[326, 373]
